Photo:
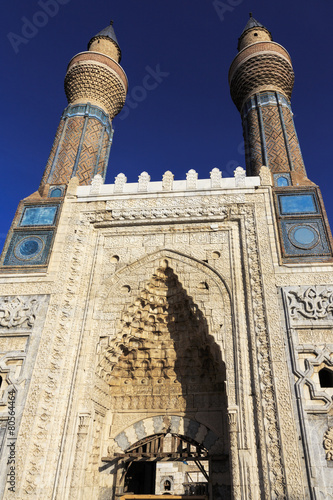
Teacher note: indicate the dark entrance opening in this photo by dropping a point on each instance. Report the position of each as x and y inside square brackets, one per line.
[140, 478]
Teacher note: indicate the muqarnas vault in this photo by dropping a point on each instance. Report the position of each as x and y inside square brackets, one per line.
[170, 337]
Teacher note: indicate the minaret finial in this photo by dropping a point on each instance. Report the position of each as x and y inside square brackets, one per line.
[250, 14]
[111, 22]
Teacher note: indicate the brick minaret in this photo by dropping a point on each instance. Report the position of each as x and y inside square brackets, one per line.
[95, 86]
[261, 80]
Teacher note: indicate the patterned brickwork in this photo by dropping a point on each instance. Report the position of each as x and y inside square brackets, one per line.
[265, 71]
[89, 82]
[67, 154]
[253, 143]
[275, 143]
[257, 48]
[101, 170]
[294, 147]
[279, 158]
[94, 134]
[53, 152]
[89, 152]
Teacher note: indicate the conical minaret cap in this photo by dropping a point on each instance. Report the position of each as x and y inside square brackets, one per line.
[96, 77]
[107, 33]
[261, 65]
[252, 23]
[253, 32]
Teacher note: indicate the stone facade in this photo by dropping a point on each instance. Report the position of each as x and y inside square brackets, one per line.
[134, 316]
[178, 323]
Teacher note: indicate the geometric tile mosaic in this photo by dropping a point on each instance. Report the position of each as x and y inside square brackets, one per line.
[292, 203]
[39, 215]
[29, 248]
[304, 237]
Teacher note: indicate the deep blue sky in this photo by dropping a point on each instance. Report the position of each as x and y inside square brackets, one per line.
[189, 120]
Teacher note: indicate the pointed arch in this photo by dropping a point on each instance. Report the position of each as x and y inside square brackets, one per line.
[174, 255]
[119, 291]
[163, 355]
[195, 330]
[214, 312]
[174, 424]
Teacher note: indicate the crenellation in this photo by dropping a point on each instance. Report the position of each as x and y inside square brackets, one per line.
[146, 185]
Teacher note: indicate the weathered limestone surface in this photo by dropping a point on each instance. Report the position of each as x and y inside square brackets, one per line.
[165, 308]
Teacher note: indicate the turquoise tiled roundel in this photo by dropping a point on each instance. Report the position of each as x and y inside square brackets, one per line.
[28, 248]
[304, 236]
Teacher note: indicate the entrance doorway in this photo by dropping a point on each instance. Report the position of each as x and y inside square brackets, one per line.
[168, 464]
[141, 478]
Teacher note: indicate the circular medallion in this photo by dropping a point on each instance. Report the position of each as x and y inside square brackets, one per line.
[304, 236]
[28, 248]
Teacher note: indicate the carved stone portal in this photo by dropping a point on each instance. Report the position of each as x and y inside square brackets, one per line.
[164, 360]
[163, 356]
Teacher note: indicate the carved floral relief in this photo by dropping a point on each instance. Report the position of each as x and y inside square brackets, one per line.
[328, 443]
[17, 311]
[311, 303]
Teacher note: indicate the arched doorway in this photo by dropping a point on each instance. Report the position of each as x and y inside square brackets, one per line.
[164, 464]
[164, 361]
[182, 459]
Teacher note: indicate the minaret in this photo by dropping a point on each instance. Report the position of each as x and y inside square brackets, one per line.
[95, 86]
[261, 80]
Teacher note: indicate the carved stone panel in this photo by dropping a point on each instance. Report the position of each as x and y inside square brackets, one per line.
[310, 305]
[21, 323]
[17, 312]
[309, 321]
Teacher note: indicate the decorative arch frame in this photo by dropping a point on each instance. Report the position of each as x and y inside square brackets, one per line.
[224, 335]
[173, 424]
[122, 277]
[218, 310]
[166, 253]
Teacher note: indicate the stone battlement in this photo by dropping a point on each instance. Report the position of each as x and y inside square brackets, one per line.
[168, 184]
